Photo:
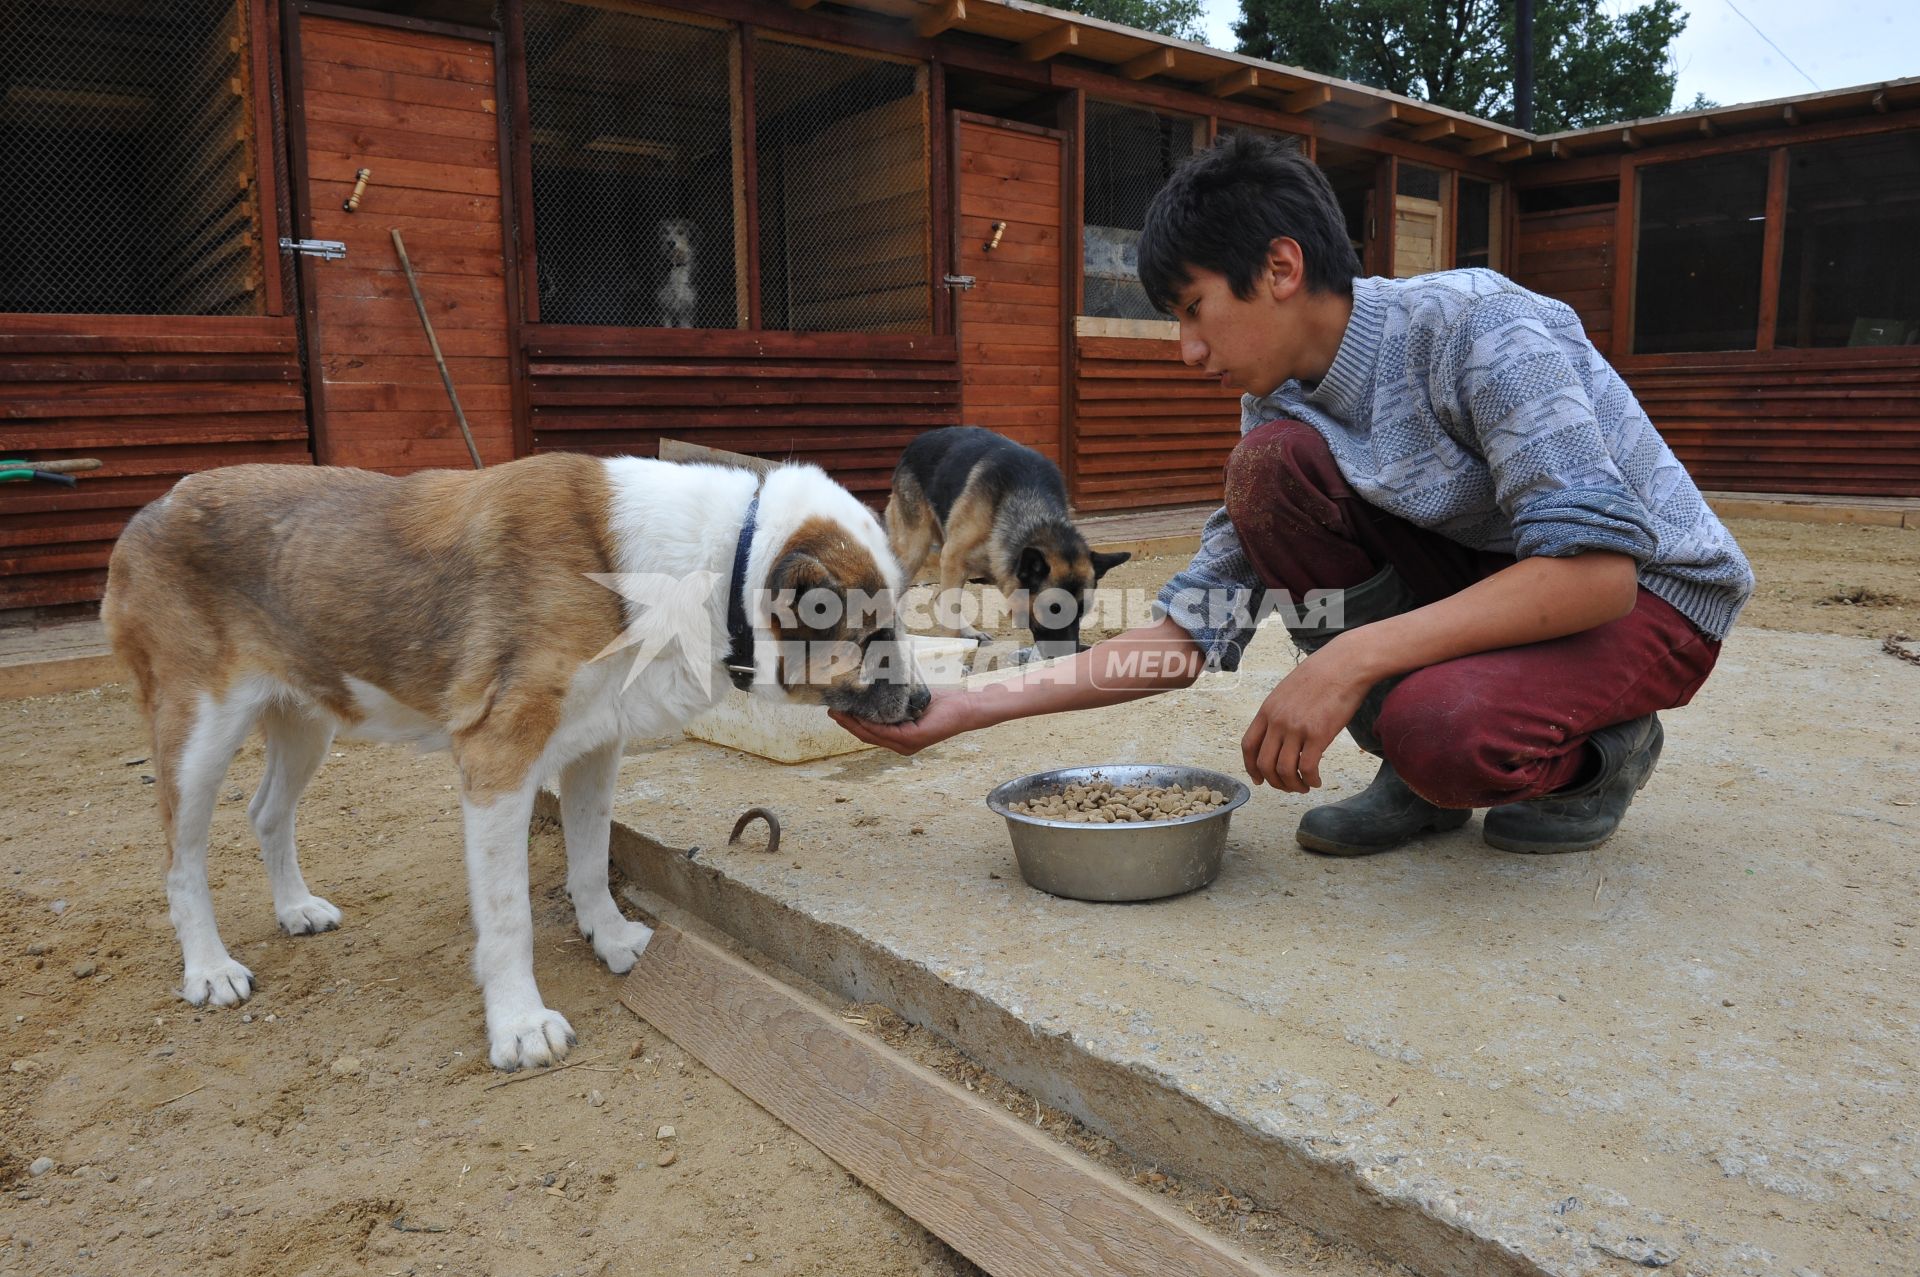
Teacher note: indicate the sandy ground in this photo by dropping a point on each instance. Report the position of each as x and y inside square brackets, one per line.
[345, 1121]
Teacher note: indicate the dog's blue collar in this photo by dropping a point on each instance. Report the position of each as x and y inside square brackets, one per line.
[739, 629]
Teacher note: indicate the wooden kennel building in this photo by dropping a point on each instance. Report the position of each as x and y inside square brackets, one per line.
[814, 230]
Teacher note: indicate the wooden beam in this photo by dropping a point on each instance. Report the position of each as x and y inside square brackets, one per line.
[1152, 62]
[934, 21]
[1517, 151]
[1706, 128]
[1307, 99]
[1880, 104]
[1001, 1193]
[1051, 44]
[1377, 114]
[1630, 140]
[1434, 130]
[802, 4]
[1235, 81]
[1772, 250]
[1790, 114]
[1489, 144]
[1561, 150]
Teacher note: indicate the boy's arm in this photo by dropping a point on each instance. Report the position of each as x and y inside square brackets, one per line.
[1153, 658]
[1199, 627]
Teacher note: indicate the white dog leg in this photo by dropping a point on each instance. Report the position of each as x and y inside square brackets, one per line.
[197, 768]
[296, 746]
[586, 816]
[521, 1031]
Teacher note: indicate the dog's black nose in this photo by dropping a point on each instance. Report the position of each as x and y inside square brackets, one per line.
[918, 700]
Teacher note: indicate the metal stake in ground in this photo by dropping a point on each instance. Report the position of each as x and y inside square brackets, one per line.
[446, 378]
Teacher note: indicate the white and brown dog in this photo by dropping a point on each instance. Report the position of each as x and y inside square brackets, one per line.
[466, 611]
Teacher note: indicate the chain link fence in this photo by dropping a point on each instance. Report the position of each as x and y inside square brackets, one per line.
[841, 152]
[1130, 153]
[632, 122]
[127, 143]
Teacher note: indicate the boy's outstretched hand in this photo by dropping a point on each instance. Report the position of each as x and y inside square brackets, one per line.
[1300, 718]
[945, 715]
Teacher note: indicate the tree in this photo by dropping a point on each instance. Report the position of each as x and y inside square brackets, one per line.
[1589, 67]
[1177, 18]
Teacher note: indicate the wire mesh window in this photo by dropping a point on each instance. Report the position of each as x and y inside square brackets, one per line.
[841, 154]
[1477, 218]
[1850, 275]
[1697, 272]
[126, 140]
[634, 169]
[1129, 155]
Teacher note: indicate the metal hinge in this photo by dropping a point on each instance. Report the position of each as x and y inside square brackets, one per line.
[962, 282]
[330, 249]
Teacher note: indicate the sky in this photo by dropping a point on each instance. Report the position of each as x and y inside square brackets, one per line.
[1723, 57]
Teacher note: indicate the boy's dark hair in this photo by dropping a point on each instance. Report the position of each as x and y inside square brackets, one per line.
[1223, 206]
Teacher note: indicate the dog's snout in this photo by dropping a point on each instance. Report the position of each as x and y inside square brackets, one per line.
[917, 701]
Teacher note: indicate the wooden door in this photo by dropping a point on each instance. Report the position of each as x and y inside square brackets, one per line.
[1009, 323]
[419, 109]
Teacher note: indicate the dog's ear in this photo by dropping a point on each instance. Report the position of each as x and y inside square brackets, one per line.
[1104, 563]
[1032, 570]
[797, 576]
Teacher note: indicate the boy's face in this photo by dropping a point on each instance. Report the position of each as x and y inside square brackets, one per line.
[1252, 344]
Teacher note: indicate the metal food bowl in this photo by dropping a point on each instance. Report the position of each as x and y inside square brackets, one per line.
[1132, 861]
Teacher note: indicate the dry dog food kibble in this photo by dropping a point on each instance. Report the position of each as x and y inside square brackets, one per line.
[1100, 802]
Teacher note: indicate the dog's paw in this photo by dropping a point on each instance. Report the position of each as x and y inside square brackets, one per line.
[621, 944]
[308, 917]
[523, 1042]
[222, 985]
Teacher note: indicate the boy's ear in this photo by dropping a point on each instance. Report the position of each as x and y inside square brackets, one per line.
[1286, 267]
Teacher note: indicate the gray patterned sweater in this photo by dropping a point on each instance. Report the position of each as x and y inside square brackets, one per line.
[1468, 405]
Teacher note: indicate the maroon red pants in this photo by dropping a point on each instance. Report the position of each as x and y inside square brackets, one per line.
[1496, 727]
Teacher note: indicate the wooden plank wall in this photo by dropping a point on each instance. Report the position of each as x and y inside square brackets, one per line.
[1148, 430]
[848, 403]
[154, 398]
[1569, 254]
[1846, 424]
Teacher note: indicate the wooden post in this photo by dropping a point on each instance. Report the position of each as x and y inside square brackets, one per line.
[1773, 245]
[747, 188]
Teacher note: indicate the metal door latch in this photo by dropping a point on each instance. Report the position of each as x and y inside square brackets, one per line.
[961, 282]
[329, 249]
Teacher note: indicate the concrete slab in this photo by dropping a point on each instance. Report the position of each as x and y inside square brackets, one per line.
[1694, 1047]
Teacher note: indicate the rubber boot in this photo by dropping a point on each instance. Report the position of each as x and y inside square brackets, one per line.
[1586, 813]
[1385, 814]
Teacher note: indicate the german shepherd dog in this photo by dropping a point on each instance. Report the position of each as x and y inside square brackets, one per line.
[998, 512]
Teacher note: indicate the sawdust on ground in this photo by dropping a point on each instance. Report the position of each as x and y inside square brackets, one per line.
[345, 1120]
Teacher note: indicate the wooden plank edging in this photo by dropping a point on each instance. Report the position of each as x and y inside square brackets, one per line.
[997, 1191]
